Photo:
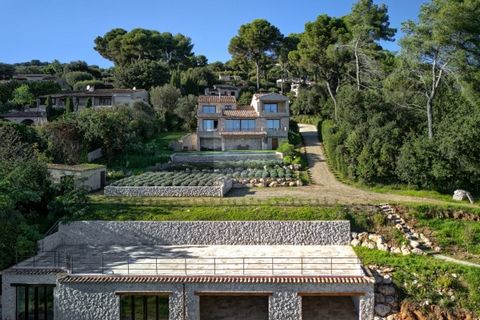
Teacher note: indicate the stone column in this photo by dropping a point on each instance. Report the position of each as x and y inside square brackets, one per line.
[285, 305]
[366, 305]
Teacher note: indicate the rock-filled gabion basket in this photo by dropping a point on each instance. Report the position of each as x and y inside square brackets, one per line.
[171, 184]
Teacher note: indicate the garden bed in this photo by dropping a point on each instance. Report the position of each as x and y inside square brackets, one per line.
[171, 184]
[248, 173]
[213, 156]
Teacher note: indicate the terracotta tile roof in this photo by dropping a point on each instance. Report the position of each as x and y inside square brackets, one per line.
[217, 99]
[214, 279]
[241, 112]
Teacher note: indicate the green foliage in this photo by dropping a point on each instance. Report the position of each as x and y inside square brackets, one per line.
[186, 110]
[89, 103]
[76, 76]
[287, 149]
[141, 74]
[245, 98]
[164, 100]
[6, 71]
[123, 48]
[256, 41]
[22, 96]
[69, 105]
[82, 85]
[422, 278]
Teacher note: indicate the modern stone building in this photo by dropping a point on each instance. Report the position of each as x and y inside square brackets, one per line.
[223, 125]
[97, 97]
[191, 270]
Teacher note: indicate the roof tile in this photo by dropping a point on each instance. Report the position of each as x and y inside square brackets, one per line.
[217, 99]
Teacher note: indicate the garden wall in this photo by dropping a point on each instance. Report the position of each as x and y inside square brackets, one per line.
[224, 156]
[169, 191]
[205, 233]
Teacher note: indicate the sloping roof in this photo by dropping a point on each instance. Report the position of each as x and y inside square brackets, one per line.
[76, 167]
[214, 279]
[241, 112]
[217, 99]
[95, 93]
[271, 96]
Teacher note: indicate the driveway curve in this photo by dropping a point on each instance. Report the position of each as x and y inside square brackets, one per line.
[325, 187]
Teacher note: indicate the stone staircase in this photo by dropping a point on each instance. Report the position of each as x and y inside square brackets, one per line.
[418, 242]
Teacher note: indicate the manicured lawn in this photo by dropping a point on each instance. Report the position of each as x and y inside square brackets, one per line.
[157, 209]
[422, 278]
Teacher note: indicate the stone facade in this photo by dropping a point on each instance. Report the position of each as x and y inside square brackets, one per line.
[171, 191]
[206, 233]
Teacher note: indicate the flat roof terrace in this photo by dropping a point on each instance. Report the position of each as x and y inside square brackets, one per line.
[201, 260]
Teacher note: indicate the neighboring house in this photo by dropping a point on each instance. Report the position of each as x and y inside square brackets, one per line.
[229, 78]
[31, 117]
[89, 176]
[235, 270]
[223, 125]
[99, 97]
[223, 90]
[32, 77]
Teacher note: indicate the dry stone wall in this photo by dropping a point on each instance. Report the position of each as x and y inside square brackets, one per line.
[204, 233]
[170, 191]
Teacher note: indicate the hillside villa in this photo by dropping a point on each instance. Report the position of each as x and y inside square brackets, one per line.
[99, 97]
[223, 125]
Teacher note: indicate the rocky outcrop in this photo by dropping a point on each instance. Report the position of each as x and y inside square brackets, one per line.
[460, 195]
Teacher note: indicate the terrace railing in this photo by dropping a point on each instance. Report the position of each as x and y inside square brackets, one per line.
[261, 266]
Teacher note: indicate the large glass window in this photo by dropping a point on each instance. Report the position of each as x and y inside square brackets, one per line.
[270, 107]
[209, 109]
[210, 125]
[34, 302]
[273, 124]
[140, 307]
[239, 125]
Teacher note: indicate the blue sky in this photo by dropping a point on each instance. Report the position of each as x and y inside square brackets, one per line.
[65, 29]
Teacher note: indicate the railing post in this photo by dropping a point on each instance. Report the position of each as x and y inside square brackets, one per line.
[71, 264]
[331, 266]
[243, 265]
[272, 268]
[128, 265]
[215, 266]
[156, 265]
[301, 266]
[185, 265]
[102, 264]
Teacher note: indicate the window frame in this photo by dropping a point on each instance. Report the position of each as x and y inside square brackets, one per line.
[209, 106]
[48, 291]
[214, 125]
[143, 297]
[273, 121]
[266, 107]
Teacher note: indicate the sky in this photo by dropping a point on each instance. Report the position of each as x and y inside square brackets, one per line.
[65, 29]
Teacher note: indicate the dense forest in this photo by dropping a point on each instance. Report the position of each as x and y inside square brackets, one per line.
[408, 117]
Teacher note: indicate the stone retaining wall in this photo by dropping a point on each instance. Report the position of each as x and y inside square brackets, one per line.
[169, 191]
[204, 233]
[201, 158]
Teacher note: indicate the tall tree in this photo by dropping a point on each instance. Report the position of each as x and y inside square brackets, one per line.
[254, 42]
[123, 48]
[321, 53]
[23, 96]
[287, 45]
[443, 42]
[367, 23]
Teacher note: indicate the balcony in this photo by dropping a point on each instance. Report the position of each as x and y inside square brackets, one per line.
[208, 115]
